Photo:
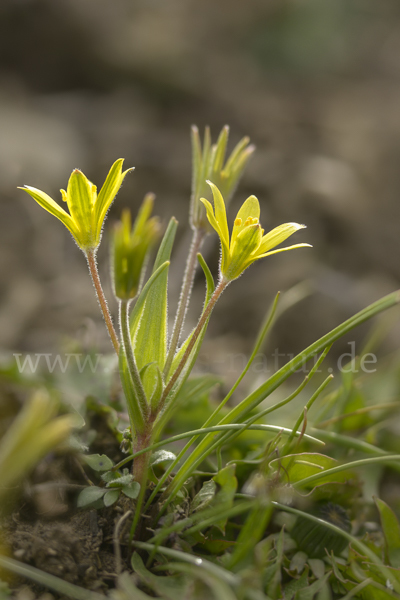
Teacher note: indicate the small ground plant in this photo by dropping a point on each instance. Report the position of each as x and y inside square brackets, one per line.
[241, 506]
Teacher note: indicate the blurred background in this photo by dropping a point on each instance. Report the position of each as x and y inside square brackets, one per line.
[314, 83]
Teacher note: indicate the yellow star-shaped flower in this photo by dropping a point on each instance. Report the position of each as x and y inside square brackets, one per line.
[87, 209]
[247, 242]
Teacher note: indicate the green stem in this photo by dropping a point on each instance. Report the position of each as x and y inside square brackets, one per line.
[363, 462]
[304, 412]
[91, 259]
[233, 427]
[346, 441]
[142, 407]
[65, 588]
[203, 319]
[187, 284]
[207, 565]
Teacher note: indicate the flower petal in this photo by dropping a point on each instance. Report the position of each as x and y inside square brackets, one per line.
[214, 223]
[282, 250]
[236, 154]
[80, 203]
[277, 236]
[210, 215]
[220, 213]
[53, 208]
[220, 150]
[250, 208]
[107, 193]
[242, 251]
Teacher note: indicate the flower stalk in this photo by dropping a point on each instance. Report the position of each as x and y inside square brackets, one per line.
[187, 285]
[203, 319]
[209, 162]
[92, 264]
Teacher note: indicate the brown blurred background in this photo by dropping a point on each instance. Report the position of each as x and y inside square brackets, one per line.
[314, 83]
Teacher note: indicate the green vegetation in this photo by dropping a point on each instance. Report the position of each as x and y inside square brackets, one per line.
[261, 502]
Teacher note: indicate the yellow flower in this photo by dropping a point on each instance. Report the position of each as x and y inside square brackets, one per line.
[130, 247]
[87, 209]
[248, 242]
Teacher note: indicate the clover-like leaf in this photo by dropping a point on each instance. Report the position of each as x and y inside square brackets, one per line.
[90, 495]
[99, 462]
[131, 490]
[111, 497]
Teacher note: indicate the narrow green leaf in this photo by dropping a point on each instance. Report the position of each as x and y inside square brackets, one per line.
[157, 389]
[196, 159]
[227, 486]
[129, 589]
[242, 410]
[196, 387]
[351, 465]
[236, 154]
[207, 565]
[210, 287]
[202, 519]
[151, 378]
[208, 275]
[391, 531]
[239, 427]
[170, 401]
[250, 534]
[150, 342]
[132, 402]
[64, 588]
[136, 313]
[188, 397]
[170, 588]
[298, 361]
[220, 149]
[265, 328]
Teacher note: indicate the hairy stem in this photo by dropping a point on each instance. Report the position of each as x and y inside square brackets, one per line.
[91, 259]
[203, 319]
[187, 284]
[142, 409]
